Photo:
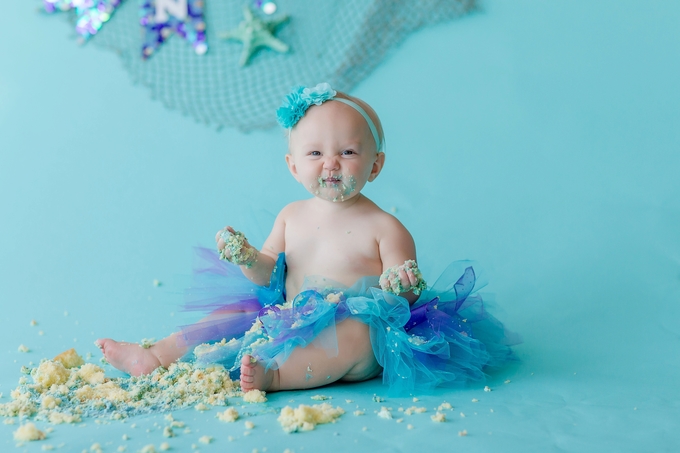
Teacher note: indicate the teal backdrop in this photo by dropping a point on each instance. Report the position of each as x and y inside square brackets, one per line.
[541, 139]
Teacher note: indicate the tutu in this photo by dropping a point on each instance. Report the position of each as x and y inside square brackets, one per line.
[445, 338]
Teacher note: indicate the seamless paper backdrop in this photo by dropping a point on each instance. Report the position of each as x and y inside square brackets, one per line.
[538, 138]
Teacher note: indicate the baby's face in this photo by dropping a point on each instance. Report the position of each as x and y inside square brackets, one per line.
[333, 153]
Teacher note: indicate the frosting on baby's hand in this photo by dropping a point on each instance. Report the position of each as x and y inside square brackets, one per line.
[391, 282]
[236, 249]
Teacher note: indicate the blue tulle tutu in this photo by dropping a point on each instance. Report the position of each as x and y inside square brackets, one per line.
[445, 338]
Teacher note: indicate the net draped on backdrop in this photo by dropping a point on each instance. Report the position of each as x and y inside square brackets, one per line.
[339, 42]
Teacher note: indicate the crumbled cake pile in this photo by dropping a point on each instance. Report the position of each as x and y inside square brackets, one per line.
[66, 390]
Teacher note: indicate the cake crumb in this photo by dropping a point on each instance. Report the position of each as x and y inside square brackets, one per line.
[475, 400]
[346, 401]
[168, 432]
[28, 432]
[205, 439]
[121, 448]
[462, 415]
[444, 405]
[507, 381]
[357, 413]
[230, 415]
[47, 447]
[399, 420]
[439, 417]
[254, 396]
[409, 426]
[126, 437]
[148, 449]
[305, 418]
[249, 425]
[462, 433]
[487, 388]
[320, 397]
[164, 446]
[415, 400]
[201, 407]
[23, 348]
[34, 322]
[385, 413]
[378, 399]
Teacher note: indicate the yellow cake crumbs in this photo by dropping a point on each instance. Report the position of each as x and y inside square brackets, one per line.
[230, 415]
[47, 447]
[385, 413]
[334, 298]
[487, 388]
[34, 322]
[66, 395]
[23, 348]
[507, 381]
[28, 432]
[415, 400]
[249, 425]
[247, 433]
[320, 397]
[357, 413]
[414, 409]
[462, 433]
[70, 359]
[439, 417]
[378, 399]
[409, 426]
[168, 432]
[305, 418]
[475, 400]
[205, 439]
[399, 420]
[201, 407]
[126, 437]
[148, 449]
[462, 415]
[8, 421]
[254, 396]
[121, 448]
[444, 406]
[164, 446]
[96, 448]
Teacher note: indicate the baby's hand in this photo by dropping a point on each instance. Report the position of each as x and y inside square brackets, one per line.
[234, 247]
[402, 279]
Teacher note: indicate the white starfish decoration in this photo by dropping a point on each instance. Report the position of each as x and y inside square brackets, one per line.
[254, 33]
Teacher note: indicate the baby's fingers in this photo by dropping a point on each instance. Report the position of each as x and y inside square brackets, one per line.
[413, 280]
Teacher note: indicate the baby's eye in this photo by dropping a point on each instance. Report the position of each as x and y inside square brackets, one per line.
[315, 153]
[348, 152]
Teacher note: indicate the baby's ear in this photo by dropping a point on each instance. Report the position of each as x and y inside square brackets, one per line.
[291, 166]
[377, 166]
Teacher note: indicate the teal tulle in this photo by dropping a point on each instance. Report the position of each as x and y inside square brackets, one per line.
[446, 338]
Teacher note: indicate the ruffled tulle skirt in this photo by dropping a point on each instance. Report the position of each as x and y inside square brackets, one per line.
[445, 338]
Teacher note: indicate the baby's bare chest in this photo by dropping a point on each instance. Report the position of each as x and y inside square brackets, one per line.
[341, 251]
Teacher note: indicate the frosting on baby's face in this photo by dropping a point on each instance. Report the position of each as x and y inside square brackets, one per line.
[333, 153]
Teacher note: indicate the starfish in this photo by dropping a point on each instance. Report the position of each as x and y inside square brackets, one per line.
[255, 33]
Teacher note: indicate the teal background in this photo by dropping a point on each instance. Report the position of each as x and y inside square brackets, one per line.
[539, 138]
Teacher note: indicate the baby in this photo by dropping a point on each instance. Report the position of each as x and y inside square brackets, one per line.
[335, 148]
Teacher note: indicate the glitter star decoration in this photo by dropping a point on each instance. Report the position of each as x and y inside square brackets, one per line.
[254, 33]
[91, 14]
[160, 18]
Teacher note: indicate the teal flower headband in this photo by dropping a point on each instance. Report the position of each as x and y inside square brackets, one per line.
[301, 98]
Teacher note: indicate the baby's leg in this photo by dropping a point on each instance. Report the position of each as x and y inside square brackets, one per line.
[311, 367]
[136, 360]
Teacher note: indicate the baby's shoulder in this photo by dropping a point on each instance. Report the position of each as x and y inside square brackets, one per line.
[386, 224]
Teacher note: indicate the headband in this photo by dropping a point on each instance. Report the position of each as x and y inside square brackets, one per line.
[301, 98]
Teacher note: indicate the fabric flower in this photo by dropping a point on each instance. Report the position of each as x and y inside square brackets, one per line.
[319, 94]
[299, 100]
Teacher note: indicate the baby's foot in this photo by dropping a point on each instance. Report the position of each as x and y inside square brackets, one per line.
[128, 357]
[254, 377]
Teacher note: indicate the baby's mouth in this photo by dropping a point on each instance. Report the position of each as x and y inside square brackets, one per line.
[330, 180]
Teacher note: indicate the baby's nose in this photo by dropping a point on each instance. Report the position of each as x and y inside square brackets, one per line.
[331, 163]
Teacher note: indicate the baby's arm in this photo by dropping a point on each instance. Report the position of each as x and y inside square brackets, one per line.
[396, 248]
[256, 265]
